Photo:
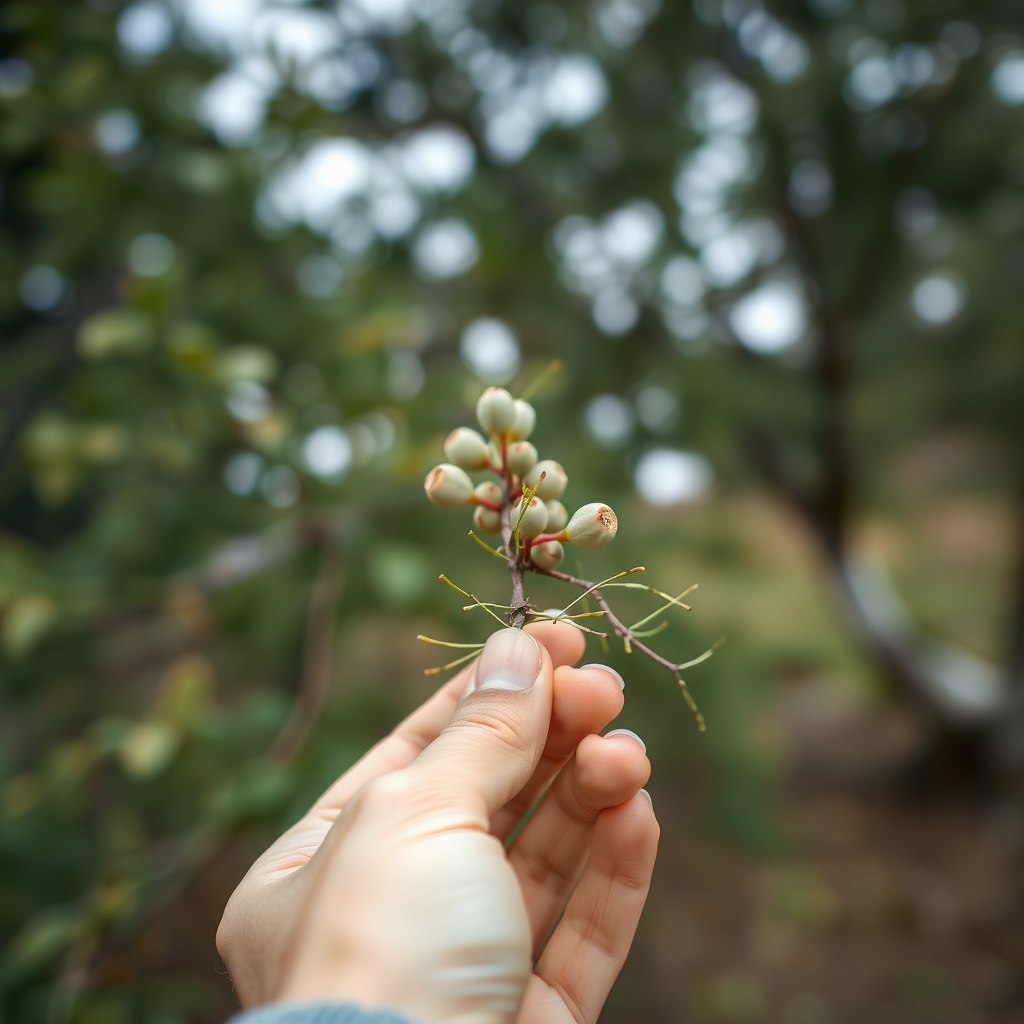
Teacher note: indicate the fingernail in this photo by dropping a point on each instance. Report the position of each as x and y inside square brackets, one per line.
[553, 612]
[608, 668]
[648, 795]
[627, 732]
[510, 660]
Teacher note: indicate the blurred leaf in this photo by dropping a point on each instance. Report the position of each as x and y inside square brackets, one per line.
[25, 622]
[117, 332]
[245, 362]
[400, 574]
[186, 690]
[148, 748]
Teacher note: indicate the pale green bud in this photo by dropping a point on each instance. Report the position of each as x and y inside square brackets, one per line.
[496, 411]
[466, 448]
[448, 486]
[558, 516]
[525, 421]
[548, 555]
[522, 457]
[535, 518]
[487, 520]
[489, 491]
[555, 479]
[591, 527]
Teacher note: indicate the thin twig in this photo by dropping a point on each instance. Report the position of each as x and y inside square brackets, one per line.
[628, 638]
[317, 661]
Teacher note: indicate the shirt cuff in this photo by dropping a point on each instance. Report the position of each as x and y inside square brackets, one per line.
[321, 1012]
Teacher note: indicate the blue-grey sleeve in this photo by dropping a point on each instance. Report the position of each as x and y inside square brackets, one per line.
[317, 1013]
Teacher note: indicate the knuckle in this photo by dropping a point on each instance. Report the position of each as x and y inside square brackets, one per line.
[385, 790]
[497, 725]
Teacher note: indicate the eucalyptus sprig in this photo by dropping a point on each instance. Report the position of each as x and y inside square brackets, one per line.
[522, 506]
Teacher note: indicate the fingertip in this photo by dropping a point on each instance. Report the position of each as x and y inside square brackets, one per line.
[628, 733]
[630, 830]
[585, 701]
[610, 769]
[565, 643]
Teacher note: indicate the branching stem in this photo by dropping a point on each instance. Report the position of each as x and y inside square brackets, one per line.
[628, 638]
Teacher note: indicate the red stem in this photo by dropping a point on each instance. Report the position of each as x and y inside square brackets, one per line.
[544, 537]
[486, 502]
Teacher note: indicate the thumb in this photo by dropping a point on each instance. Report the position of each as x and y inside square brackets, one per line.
[492, 744]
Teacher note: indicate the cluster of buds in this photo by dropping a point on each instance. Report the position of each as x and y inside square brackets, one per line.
[524, 505]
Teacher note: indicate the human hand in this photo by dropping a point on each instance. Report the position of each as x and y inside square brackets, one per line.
[395, 889]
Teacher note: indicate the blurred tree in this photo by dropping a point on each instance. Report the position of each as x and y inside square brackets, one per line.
[240, 246]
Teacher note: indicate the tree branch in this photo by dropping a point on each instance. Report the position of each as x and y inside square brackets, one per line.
[623, 631]
[317, 660]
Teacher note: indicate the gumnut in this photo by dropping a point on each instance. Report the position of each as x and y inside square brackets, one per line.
[534, 518]
[487, 520]
[522, 457]
[548, 555]
[496, 411]
[467, 449]
[591, 527]
[525, 421]
[558, 515]
[554, 482]
[487, 491]
[448, 486]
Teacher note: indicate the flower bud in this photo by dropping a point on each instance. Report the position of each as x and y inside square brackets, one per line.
[525, 421]
[466, 448]
[591, 527]
[555, 479]
[535, 518]
[489, 491]
[522, 457]
[496, 411]
[548, 555]
[487, 520]
[448, 486]
[557, 516]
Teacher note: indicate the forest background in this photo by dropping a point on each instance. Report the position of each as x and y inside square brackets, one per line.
[257, 259]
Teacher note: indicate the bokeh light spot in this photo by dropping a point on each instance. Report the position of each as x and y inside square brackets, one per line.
[42, 288]
[446, 248]
[939, 298]
[248, 401]
[327, 452]
[1008, 79]
[489, 348]
[609, 420]
[242, 473]
[770, 319]
[150, 255]
[145, 28]
[666, 477]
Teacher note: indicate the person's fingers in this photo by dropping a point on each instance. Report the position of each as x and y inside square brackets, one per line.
[490, 748]
[551, 851]
[565, 643]
[409, 738]
[397, 750]
[587, 949]
[585, 700]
